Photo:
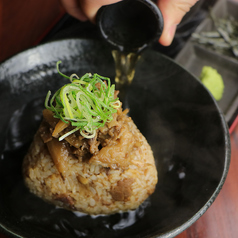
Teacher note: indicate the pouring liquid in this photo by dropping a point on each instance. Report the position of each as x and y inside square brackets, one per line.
[125, 64]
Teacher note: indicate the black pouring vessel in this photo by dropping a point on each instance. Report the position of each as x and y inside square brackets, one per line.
[130, 25]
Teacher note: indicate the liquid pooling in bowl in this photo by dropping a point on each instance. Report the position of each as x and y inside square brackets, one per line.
[30, 209]
[178, 117]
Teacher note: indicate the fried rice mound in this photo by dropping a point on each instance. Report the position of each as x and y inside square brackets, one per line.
[114, 171]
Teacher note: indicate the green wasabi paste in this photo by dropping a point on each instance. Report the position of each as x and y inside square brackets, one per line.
[213, 81]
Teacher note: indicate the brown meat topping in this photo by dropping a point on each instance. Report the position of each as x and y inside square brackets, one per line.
[110, 147]
[123, 190]
[49, 118]
[115, 153]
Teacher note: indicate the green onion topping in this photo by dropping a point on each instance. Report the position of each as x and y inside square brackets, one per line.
[87, 103]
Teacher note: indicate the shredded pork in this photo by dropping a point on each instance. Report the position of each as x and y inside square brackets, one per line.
[109, 147]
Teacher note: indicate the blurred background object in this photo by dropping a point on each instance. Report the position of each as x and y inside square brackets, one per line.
[23, 23]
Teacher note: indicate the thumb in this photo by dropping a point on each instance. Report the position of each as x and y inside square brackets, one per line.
[173, 12]
[90, 7]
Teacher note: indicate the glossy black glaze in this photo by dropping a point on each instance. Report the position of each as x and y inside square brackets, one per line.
[177, 115]
[130, 25]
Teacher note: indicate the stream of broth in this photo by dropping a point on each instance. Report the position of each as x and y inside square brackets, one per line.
[125, 64]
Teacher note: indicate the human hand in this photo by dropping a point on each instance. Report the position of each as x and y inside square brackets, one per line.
[172, 11]
[85, 9]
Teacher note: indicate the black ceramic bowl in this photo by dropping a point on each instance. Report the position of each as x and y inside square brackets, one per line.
[177, 115]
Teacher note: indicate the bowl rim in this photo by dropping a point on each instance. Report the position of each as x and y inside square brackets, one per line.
[7, 231]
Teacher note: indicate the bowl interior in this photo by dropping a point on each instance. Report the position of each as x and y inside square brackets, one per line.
[176, 114]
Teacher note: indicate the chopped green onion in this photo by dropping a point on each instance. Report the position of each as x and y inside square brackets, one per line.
[87, 103]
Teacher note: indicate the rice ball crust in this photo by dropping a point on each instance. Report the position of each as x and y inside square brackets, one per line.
[95, 185]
